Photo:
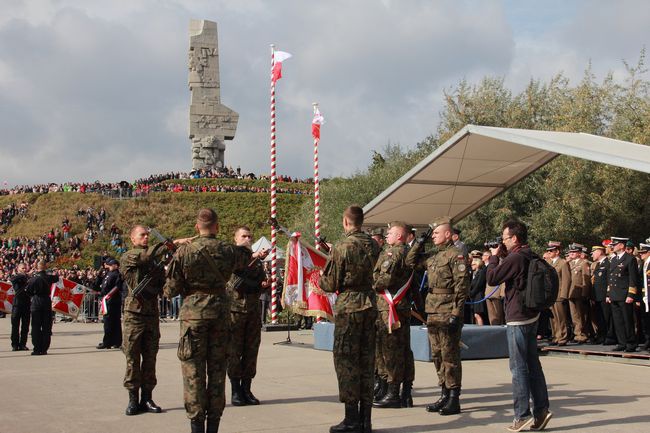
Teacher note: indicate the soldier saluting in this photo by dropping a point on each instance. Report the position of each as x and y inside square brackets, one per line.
[448, 289]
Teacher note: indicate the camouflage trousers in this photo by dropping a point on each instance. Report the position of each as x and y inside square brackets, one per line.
[445, 351]
[203, 352]
[245, 338]
[354, 355]
[141, 336]
[393, 349]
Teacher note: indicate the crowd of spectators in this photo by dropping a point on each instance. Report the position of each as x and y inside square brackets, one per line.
[9, 212]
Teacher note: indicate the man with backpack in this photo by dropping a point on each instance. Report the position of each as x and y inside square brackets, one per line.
[528, 381]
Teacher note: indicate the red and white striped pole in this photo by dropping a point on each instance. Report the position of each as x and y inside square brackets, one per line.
[316, 179]
[274, 263]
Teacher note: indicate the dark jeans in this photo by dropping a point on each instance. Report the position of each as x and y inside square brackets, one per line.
[528, 381]
[41, 330]
[19, 326]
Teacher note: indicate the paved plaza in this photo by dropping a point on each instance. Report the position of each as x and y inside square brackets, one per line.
[78, 389]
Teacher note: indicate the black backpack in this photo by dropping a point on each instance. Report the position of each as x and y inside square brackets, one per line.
[542, 285]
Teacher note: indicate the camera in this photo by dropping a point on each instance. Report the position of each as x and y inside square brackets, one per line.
[495, 243]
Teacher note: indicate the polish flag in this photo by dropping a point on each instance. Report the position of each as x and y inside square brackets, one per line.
[317, 121]
[6, 297]
[67, 297]
[278, 58]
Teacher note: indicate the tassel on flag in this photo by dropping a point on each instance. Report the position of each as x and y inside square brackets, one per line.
[278, 58]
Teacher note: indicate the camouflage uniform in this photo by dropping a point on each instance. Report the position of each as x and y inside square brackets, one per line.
[246, 321]
[349, 271]
[205, 319]
[448, 288]
[391, 273]
[140, 327]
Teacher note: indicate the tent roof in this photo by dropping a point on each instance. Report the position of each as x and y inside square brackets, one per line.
[480, 162]
[263, 242]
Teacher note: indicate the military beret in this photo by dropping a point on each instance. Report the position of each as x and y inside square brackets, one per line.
[553, 245]
[644, 248]
[598, 247]
[111, 261]
[629, 244]
[606, 242]
[440, 221]
[617, 240]
[379, 231]
[457, 231]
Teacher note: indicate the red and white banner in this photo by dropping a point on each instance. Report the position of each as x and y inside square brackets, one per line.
[316, 122]
[6, 296]
[278, 58]
[393, 318]
[67, 297]
[302, 276]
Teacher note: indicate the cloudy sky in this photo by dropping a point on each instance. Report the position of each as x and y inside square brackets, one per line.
[92, 89]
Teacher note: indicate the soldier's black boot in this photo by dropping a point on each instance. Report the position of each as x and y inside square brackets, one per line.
[147, 404]
[365, 417]
[452, 407]
[350, 423]
[213, 425]
[249, 398]
[382, 390]
[391, 399]
[237, 397]
[197, 425]
[405, 397]
[444, 396]
[133, 408]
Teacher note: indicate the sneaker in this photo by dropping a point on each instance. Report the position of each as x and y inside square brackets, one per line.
[520, 424]
[541, 420]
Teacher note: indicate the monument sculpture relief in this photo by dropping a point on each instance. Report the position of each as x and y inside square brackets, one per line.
[211, 123]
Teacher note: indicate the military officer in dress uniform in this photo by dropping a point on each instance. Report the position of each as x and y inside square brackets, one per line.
[601, 317]
[449, 282]
[579, 293]
[621, 293]
[559, 321]
[644, 284]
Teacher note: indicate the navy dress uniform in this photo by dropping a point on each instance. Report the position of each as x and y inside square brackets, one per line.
[621, 293]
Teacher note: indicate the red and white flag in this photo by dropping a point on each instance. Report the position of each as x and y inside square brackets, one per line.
[304, 263]
[278, 58]
[67, 297]
[6, 296]
[317, 121]
[392, 300]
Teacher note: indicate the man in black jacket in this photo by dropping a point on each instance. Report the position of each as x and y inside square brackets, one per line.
[528, 381]
[111, 294]
[39, 289]
[20, 310]
[621, 292]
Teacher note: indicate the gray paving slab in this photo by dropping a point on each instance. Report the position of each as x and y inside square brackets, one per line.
[78, 389]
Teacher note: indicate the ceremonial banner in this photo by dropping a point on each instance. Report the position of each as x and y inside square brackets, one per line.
[278, 58]
[67, 297]
[302, 276]
[6, 296]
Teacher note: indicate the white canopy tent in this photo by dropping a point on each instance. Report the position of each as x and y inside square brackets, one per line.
[480, 162]
[263, 242]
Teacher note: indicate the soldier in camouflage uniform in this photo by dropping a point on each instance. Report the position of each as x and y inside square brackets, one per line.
[199, 272]
[245, 287]
[141, 329]
[349, 271]
[448, 289]
[392, 279]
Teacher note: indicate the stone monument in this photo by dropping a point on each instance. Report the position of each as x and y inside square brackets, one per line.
[211, 123]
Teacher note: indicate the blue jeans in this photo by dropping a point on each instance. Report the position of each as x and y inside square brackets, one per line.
[177, 302]
[527, 376]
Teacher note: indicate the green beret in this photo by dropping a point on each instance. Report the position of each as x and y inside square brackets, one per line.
[440, 221]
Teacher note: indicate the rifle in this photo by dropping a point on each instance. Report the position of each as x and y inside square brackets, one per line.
[158, 265]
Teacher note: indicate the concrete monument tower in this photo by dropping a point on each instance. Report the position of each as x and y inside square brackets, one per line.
[211, 123]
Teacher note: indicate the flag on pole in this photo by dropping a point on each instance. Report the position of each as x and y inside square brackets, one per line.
[6, 296]
[317, 121]
[67, 297]
[278, 58]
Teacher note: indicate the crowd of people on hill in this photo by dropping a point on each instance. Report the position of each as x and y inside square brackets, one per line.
[9, 212]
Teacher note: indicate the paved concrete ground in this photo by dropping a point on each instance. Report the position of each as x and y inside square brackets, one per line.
[79, 389]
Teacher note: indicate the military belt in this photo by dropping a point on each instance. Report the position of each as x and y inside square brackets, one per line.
[439, 291]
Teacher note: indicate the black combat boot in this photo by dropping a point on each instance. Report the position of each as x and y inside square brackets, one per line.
[237, 397]
[365, 417]
[133, 408]
[197, 425]
[249, 398]
[405, 397]
[452, 407]
[444, 396]
[147, 404]
[213, 425]
[350, 423]
[391, 399]
[382, 390]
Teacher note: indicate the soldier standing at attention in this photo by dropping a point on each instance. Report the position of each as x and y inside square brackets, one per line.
[621, 291]
[199, 272]
[559, 324]
[392, 280]
[349, 271]
[20, 309]
[245, 287]
[579, 293]
[140, 327]
[112, 284]
[602, 311]
[38, 287]
[448, 289]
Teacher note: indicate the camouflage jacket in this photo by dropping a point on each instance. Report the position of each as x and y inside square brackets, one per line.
[246, 298]
[135, 264]
[448, 278]
[391, 273]
[203, 283]
[349, 271]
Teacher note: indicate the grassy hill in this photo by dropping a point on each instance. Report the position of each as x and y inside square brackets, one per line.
[173, 214]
